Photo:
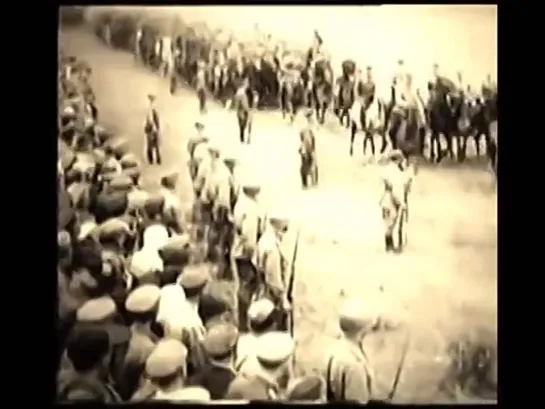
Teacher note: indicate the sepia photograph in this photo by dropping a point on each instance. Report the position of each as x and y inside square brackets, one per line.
[313, 188]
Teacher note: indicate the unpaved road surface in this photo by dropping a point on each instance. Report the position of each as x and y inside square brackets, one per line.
[443, 285]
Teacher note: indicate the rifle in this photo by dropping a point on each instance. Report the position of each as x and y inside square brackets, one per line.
[397, 377]
[291, 282]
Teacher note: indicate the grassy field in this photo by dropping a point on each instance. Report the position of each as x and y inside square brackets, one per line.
[443, 287]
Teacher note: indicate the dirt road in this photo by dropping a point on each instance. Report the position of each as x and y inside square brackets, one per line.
[443, 285]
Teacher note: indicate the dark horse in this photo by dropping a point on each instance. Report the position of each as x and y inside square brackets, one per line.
[322, 89]
[292, 97]
[404, 131]
[444, 110]
[344, 99]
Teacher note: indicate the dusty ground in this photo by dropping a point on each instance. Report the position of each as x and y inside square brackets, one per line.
[445, 283]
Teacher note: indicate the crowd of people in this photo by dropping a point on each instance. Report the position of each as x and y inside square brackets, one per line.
[136, 319]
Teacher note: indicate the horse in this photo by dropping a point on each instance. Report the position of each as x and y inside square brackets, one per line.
[404, 131]
[344, 99]
[369, 119]
[292, 97]
[322, 91]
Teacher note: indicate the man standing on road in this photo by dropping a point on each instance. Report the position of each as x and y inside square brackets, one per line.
[348, 374]
[196, 148]
[397, 180]
[243, 111]
[152, 130]
[307, 152]
[200, 85]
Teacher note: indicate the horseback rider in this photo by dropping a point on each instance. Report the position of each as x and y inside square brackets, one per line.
[368, 88]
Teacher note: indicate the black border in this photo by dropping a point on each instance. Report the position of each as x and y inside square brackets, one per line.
[38, 103]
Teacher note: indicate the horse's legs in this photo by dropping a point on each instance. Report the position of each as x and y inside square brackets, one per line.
[422, 140]
[434, 145]
[353, 131]
[449, 137]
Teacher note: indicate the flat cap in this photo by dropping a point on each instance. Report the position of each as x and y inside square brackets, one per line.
[278, 217]
[128, 161]
[154, 204]
[143, 298]
[168, 357]
[214, 146]
[220, 339]
[112, 204]
[96, 310]
[354, 315]
[194, 277]
[169, 178]
[305, 388]
[175, 250]
[112, 229]
[144, 262]
[260, 310]
[274, 348]
[120, 183]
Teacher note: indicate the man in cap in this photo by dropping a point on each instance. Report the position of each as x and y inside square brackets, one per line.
[196, 147]
[152, 128]
[267, 377]
[200, 85]
[242, 107]
[249, 225]
[172, 209]
[216, 197]
[88, 351]
[166, 368]
[216, 376]
[193, 280]
[141, 305]
[261, 320]
[308, 388]
[272, 265]
[348, 374]
[102, 313]
[397, 178]
[307, 152]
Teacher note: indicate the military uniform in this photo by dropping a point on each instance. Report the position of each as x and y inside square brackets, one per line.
[141, 302]
[244, 116]
[216, 198]
[200, 86]
[152, 128]
[196, 148]
[264, 380]
[272, 265]
[348, 374]
[394, 202]
[250, 225]
[103, 313]
[307, 152]
[172, 209]
[218, 373]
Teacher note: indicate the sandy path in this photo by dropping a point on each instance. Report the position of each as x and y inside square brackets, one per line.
[445, 282]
